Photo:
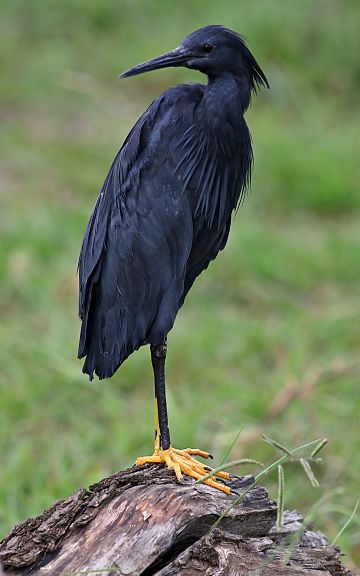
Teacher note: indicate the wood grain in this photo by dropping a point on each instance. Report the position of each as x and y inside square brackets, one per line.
[141, 522]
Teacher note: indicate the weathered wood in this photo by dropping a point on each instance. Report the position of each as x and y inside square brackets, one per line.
[140, 522]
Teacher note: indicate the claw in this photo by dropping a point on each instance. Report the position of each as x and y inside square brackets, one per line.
[183, 462]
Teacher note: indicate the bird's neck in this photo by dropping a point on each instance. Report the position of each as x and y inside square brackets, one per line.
[227, 92]
[217, 151]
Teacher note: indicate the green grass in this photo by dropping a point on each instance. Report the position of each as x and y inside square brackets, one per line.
[277, 312]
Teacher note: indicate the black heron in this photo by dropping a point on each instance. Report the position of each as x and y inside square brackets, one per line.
[164, 213]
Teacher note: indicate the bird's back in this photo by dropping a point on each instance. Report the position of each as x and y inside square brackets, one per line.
[162, 215]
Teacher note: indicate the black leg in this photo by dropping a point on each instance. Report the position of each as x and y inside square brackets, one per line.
[158, 356]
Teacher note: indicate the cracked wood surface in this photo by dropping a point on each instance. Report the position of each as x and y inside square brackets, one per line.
[140, 522]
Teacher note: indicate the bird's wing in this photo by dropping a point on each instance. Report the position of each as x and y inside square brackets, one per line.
[133, 258]
[203, 251]
[215, 166]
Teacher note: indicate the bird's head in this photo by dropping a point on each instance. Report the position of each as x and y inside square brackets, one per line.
[213, 50]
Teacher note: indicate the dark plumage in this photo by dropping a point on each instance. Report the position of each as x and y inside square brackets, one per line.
[165, 208]
[164, 213]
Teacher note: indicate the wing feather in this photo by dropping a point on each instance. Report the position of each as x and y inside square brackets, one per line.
[162, 215]
[133, 257]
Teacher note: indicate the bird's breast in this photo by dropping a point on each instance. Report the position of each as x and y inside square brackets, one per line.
[207, 157]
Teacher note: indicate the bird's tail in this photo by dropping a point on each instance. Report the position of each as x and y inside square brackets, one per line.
[99, 342]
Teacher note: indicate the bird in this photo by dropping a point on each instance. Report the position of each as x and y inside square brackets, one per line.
[163, 214]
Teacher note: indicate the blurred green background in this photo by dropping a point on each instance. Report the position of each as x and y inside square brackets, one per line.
[268, 340]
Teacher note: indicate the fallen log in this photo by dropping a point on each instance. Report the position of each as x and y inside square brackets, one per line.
[141, 522]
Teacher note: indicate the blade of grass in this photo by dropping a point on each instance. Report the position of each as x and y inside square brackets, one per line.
[230, 447]
[348, 521]
[280, 500]
[319, 447]
[258, 477]
[276, 444]
[229, 465]
[309, 473]
[283, 459]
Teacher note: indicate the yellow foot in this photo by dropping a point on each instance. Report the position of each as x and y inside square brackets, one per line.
[183, 462]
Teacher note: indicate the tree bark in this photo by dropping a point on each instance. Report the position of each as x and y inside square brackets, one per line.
[140, 522]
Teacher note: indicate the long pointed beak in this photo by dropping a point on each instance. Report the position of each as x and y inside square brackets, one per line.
[176, 57]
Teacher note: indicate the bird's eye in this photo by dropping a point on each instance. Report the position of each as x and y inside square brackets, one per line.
[208, 48]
